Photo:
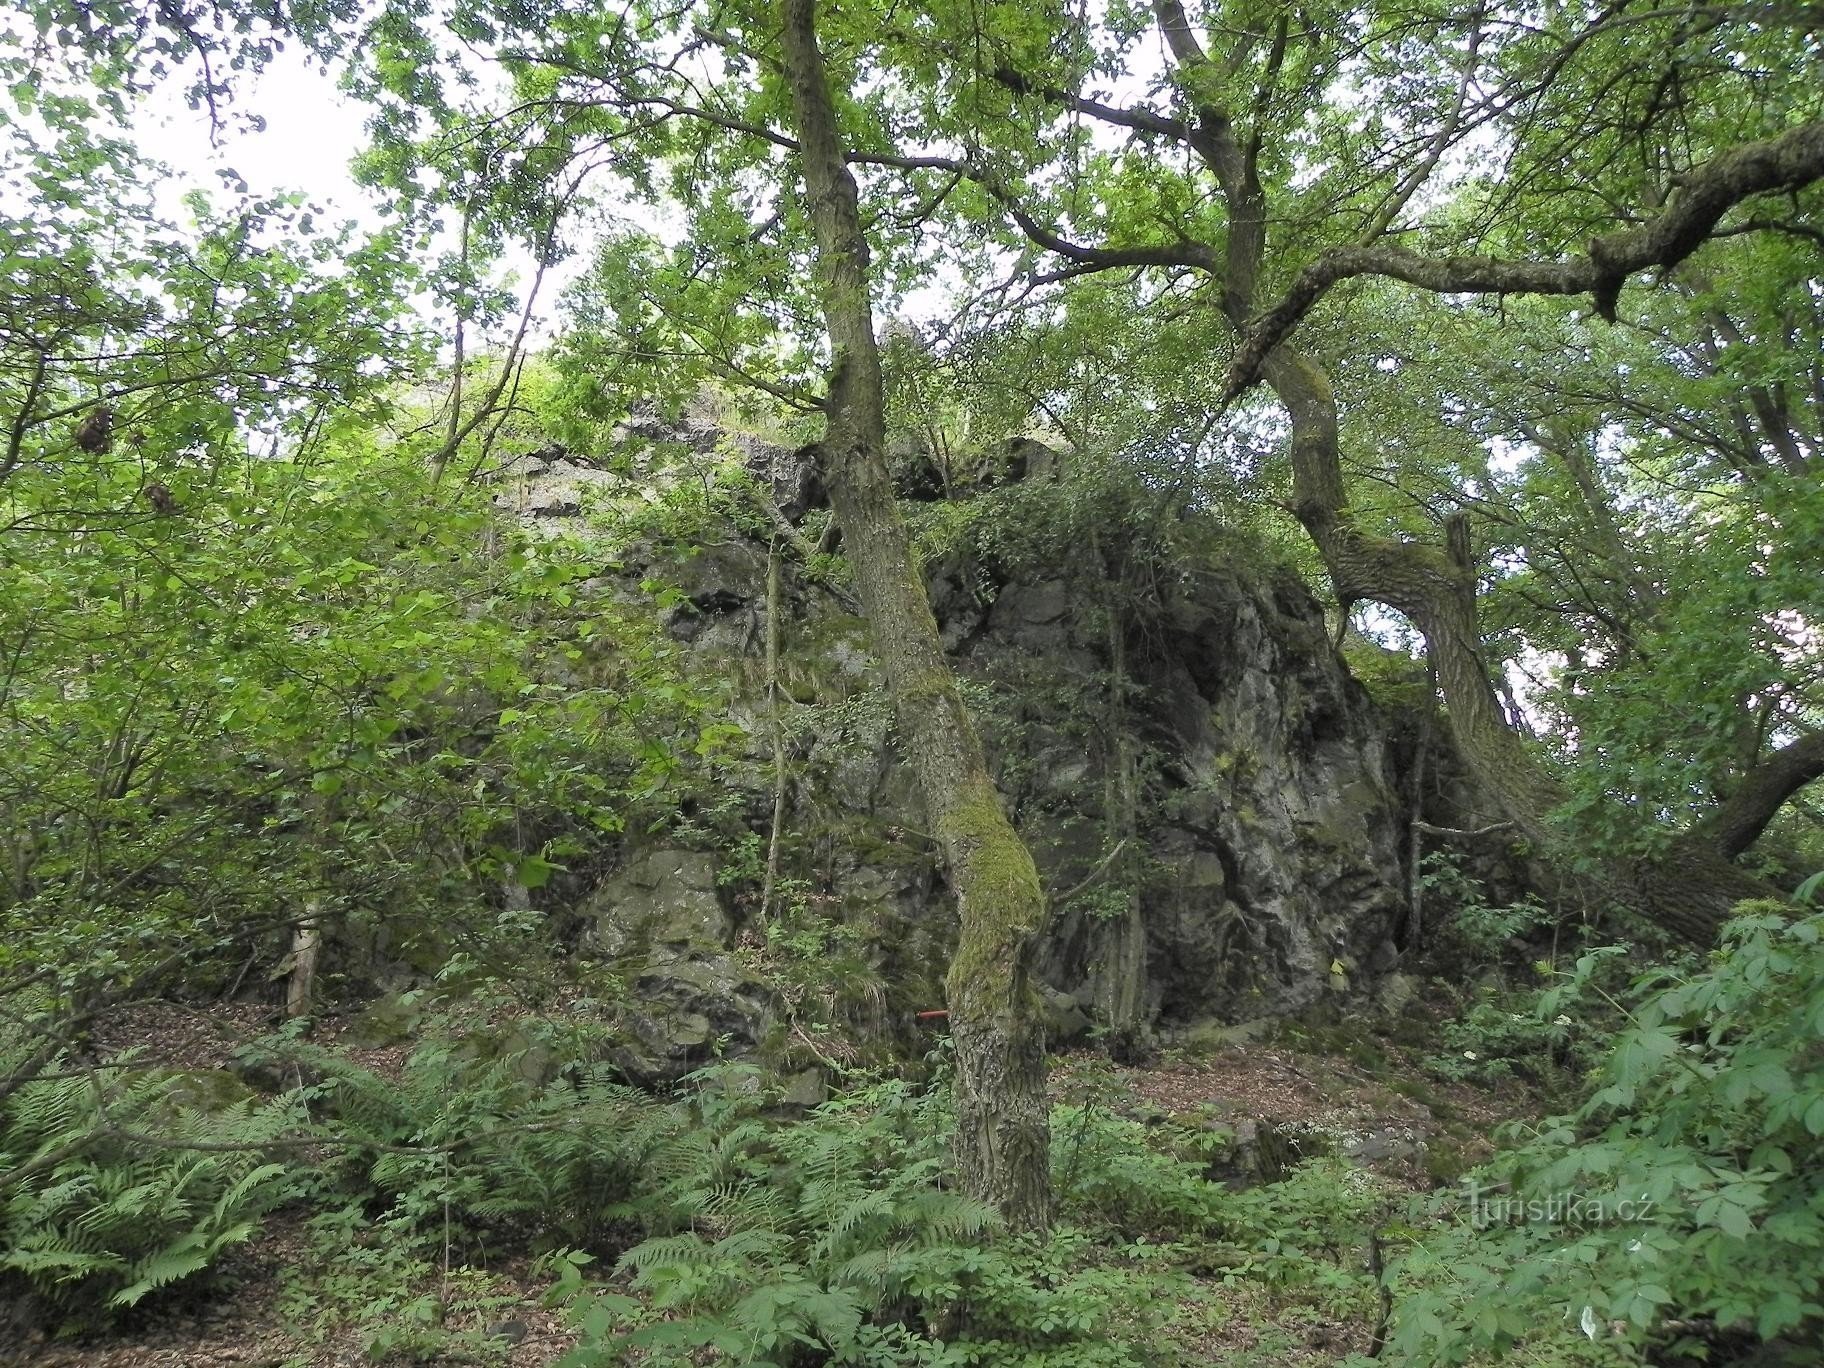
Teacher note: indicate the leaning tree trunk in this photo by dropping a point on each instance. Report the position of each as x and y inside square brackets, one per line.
[1003, 1140]
[1691, 889]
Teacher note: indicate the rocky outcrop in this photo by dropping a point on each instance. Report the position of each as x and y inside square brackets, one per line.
[661, 922]
[1266, 810]
[1180, 744]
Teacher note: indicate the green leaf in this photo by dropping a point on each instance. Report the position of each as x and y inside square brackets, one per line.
[534, 871]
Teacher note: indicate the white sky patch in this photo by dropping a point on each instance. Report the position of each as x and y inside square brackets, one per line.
[312, 132]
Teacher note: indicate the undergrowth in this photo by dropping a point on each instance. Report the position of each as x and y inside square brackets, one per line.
[115, 1183]
[840, 1238]
[1673, 1215]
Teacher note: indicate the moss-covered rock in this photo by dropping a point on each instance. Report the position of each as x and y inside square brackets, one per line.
[662, 898]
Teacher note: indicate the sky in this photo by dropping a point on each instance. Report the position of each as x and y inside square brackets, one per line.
[311, 133]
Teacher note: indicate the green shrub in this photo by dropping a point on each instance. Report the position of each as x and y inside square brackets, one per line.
[1107, 1171]
[1311, 1230]
[473, 1130]
[1492, 1042]
[114, 1185]
[1475, 930]
[1682, 1204]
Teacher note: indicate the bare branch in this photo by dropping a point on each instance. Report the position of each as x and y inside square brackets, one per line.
[1136, 117]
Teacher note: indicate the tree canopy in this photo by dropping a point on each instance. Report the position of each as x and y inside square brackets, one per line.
[1319, 233]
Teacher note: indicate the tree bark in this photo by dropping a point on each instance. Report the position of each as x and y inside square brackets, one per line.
[306, 946]
[775, 726]
[1744, 814]
[1788, 162]
[1003, 1134]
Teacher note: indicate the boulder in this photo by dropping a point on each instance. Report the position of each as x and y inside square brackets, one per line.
[663, 923]
[688, 1010]
[790, 475]
[663, 898]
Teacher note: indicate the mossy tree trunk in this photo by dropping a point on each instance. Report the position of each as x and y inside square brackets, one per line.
[1003, 1141]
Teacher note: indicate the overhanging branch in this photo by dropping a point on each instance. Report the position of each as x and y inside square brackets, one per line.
[1738, 823]
[1787, 162]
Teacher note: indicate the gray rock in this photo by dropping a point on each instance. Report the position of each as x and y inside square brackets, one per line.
[509, 1331]
[790, 476]
[388, 1020]
[1030, 605]
[1017, 458]
[1065, 1021]
[1268, 828]
[688, 1011]
[530, 1060]
[1260, 1151]
[1395, 993]
[1392, 1144]
[804, 1089]
[666, 897]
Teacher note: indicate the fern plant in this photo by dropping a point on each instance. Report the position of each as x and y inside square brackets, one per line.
[111, 1190]
[480, 1138]
[839, 1238]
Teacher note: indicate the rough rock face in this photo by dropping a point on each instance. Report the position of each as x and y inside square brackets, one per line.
[1208, 793]
[663, 916]
[1266, 811]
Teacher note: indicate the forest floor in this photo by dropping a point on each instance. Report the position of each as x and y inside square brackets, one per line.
[1368, 1099]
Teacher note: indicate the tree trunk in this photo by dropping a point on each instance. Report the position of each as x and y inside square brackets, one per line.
[306, 945]
[1003, 1136]
[1692, 890]
[775, 726]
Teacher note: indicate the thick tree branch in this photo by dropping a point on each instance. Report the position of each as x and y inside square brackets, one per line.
[15, 437]
[1744, 815]
[1788, 162]
[1136, 117]
[1103, 257]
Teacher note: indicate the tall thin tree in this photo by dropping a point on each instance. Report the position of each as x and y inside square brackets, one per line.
[1002, 1140]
